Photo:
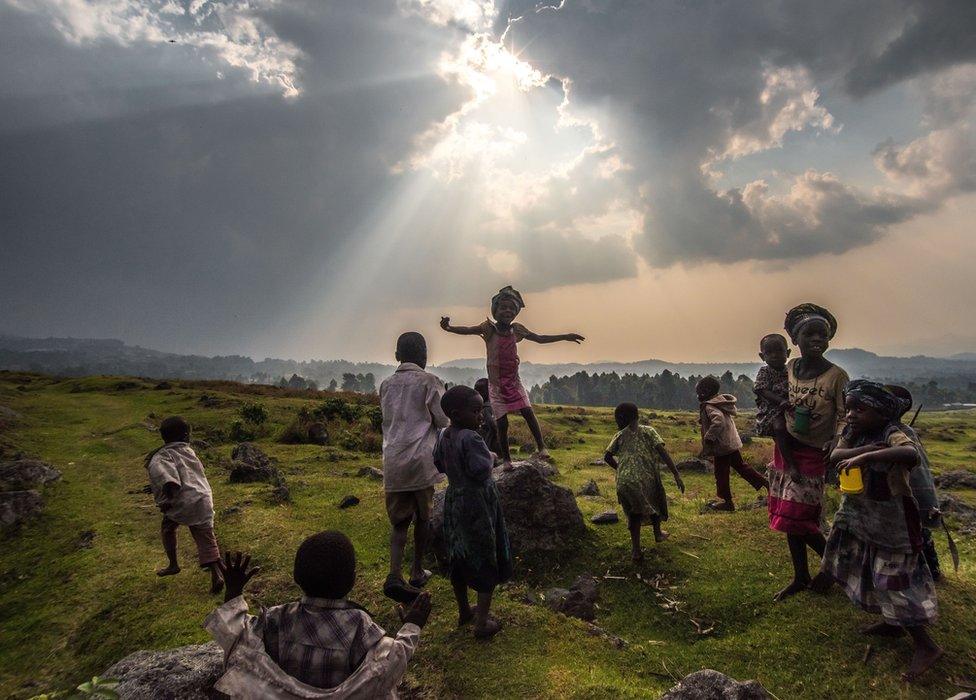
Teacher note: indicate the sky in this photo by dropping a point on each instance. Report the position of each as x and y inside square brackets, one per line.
[308, 179]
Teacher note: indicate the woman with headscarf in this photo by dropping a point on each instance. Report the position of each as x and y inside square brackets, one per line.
[505, 391]
[814, 422]
[875, 540]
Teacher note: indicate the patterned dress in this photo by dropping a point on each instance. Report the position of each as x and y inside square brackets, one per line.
[874, 543]
[777, 382]
[640, 491]
[474, 525]
[505, 391]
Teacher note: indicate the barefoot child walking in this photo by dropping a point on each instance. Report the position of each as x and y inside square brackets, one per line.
[474, 525]
[636, 453]
[505, 390]
[182, 492]
[875, 541]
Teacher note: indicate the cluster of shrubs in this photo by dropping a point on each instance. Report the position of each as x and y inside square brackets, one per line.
[252, 417]
[352, 424]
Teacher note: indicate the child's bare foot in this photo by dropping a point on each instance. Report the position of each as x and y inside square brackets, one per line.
[543, 454]
[883, 629]
[822, 582]
[661, 535]
[465, 617]
[792, 589]
[489, 629]
[923, 659]
[637, 556]
[170, 570]
[726, 506]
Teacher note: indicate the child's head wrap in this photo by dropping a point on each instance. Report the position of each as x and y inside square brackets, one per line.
[876, 396]
[801, 315]
[508, 292]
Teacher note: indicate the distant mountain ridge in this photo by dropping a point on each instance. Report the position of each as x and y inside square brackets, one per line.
[76, 357]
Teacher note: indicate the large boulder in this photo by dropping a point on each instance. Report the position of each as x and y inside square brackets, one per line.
[712, 685]
[964, 513]
[541, 517]
[695, 464]
[22, 474]
[18, 506]
[249, 463]
[184, 673]
[956, 479]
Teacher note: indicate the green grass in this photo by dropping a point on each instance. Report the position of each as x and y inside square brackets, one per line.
[68, 612]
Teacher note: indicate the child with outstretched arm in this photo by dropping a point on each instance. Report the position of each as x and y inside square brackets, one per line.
[321, 646]
[505, 390]
[182, 492]
[636, 453]
[875, 539]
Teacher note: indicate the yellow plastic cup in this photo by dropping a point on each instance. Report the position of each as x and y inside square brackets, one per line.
[850, 481]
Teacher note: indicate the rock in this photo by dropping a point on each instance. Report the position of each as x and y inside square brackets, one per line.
[615, 641]
[280, 493]
[371, 473]
[8, 416]
[86, 540]
[956, 479]
[964, 513]
[541, 517]
[200, 444]
[18, 506]
[579, 600]
[162, 386]
[318, 434]
[712, 685]
[598, 463]
[248, 463]
[695, 464]
[589, 489]
[184, 673]
[607, 517]
[23, 474]
[349, 502]
[230, 510]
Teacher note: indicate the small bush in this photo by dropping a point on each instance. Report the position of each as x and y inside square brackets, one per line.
[254, 413]
[242, 432]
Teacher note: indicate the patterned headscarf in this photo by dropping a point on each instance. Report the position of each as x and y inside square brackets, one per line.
[876, 396]
[508, 292]
[801, 315]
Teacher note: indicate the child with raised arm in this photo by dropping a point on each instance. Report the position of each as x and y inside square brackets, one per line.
[321, 646]
[772, 388]
[636, 453]
[875, 540]
[505, 390]
[474, 525]
[721, 441]
[182, 492]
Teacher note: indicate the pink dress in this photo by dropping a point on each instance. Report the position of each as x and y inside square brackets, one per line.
[505, 391]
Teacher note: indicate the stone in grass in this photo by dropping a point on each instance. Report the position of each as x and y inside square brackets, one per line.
[956, 479]
[695, 464]
[22, 474]
[249, 464]
[349, 502]
[607, 517]
[318, 433]
[579, 600]
[707, 684]
[371, 473]
[18, 506]
[187, 673]
[590, 489]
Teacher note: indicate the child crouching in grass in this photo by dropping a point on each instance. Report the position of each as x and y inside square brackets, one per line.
[636, 453]
[875, 541]
[321, 646]
[182, 492]
[474, 525]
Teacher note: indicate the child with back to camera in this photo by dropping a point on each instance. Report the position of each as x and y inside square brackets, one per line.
[505, 390]
[636, 453]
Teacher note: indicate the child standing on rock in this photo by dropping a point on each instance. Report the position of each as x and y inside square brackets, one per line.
[721, 441]
[505, 390]
[182, 492]
[636, 453]
[474, 526]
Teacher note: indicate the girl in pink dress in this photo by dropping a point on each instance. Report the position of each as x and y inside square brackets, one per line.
[505, 391]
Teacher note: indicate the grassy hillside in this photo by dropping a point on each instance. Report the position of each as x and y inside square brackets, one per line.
[71, 603]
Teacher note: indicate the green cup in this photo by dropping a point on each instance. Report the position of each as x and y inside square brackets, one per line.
[801, 420]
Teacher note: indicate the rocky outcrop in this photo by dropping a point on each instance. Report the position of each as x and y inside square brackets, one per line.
[695, 464]
[956, 479]
[18, 506]
[607, 517]
[22, 474]
[712, 685]
[184, 673]
[589, 489]
[249, 463]
[579, 600]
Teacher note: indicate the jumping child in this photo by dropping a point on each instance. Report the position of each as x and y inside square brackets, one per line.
[875, 541]
[772, 394]
[321, 646]
[182, 492]
[505, 390]
[474, 525]
[817, 418]
[636, 453]
[721, 442]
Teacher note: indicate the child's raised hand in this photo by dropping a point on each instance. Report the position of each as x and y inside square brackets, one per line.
[236, 574]
[445, 322]
[574, 338]
[419, 610]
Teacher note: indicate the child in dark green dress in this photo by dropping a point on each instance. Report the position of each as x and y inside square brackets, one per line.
[474, 526]
[636, 453]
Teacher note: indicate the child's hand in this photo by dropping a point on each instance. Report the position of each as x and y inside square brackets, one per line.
[419, 610]
[445, 322]
[845, 465]
[680, 483]
[574, 338]
[236, 574]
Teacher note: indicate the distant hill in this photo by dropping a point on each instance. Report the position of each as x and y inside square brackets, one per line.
[77, 357]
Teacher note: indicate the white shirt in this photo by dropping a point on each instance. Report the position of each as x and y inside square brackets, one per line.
[412, 415]
[177, 463]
